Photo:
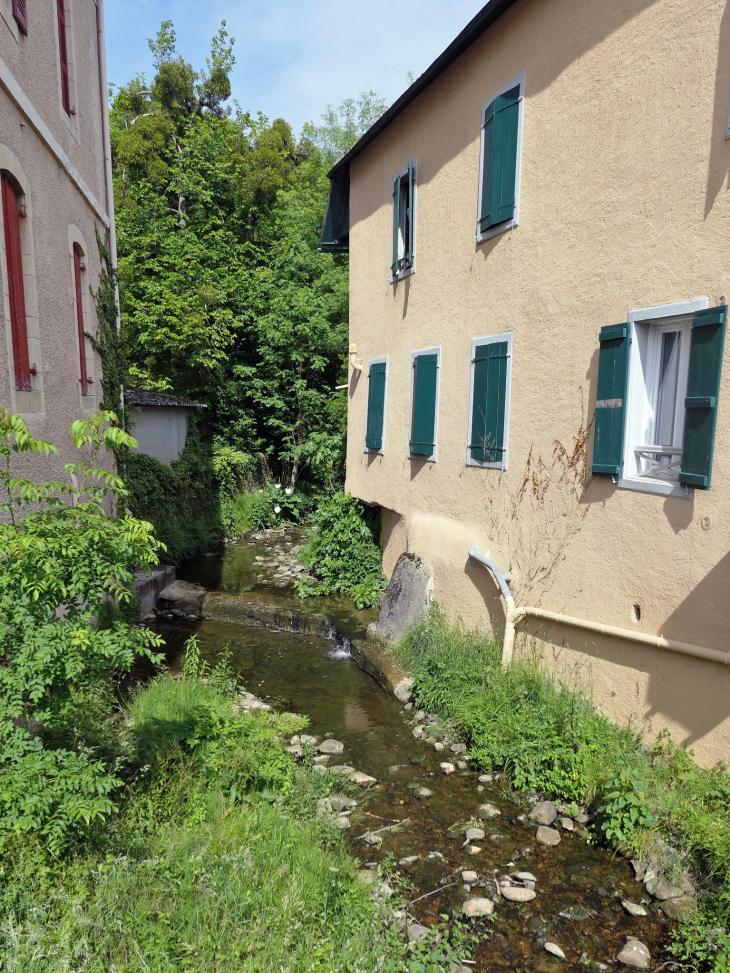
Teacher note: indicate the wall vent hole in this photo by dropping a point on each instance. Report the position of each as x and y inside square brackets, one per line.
[637, 613]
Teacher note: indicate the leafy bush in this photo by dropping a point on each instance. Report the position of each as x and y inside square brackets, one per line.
[274, 506]
[624, 808]
[344, 551]
[63, 556]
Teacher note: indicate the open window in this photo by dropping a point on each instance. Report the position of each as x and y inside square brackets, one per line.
[403, 248]
[656, 408]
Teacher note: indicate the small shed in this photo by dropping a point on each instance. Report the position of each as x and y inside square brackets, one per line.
[159, 422]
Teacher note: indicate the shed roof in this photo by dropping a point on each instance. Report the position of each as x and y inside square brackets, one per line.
[138, 397]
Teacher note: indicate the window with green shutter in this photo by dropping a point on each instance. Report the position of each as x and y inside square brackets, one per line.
[375, 422]
[491, 368]
[499, 178]
[424, 403]
[403, 243]
[657, 397]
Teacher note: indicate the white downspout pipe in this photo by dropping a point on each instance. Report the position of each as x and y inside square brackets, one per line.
[514, 615]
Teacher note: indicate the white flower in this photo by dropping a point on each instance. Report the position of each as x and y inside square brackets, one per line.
[287, 491]
[278, 486]
[261, 491]
[277, 510]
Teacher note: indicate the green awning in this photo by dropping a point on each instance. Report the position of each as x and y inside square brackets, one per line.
[336, 227]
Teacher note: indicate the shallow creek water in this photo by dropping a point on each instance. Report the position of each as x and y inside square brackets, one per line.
[579, 887]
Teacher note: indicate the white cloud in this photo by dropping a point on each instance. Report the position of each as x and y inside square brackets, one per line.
[295, 56]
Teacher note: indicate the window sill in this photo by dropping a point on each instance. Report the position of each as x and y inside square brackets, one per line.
[28, 401]
[484, 465]
[371, 451]
[496, 230]
[421, 456]
[661, 488]
[408, 272]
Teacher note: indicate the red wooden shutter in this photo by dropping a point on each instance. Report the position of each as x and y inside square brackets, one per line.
[16, 291]
[63, 51]
[20, 12]
[80, 321]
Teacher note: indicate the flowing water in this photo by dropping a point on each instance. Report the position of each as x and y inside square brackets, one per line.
[579, 886]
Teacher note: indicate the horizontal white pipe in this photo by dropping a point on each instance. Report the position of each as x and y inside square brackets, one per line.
[684, 648]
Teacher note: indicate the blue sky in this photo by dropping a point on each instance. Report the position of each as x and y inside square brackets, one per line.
[294, 56]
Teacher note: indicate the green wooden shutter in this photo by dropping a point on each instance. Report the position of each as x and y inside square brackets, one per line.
[485, 217]
[396, 225]
[425, 371]
[488, 402]
[499, 166]
[703, 389]
[376, 406]
[613, 374]
[409, 235]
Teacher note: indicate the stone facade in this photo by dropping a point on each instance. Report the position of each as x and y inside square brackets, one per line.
[54, 144]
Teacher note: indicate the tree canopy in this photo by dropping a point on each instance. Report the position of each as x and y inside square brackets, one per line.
[224, 297]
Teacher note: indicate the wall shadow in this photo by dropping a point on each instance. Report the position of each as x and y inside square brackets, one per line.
[547, 57]
[484, 583]
[719, 148]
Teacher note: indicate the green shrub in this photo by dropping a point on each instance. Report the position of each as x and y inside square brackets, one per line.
[63, 558]
[624, 808]
[344, 552]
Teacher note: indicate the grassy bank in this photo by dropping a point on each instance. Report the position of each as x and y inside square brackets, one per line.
[654, 800]
[215, 861]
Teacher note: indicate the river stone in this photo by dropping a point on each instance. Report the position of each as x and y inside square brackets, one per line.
[525, 877]
[677, 908]
[422, 793]
[633, 909]
[340, 802]
[342, 770]
[485, 778]
[457, 748]
[635, 954]
[544, 813]
[320, 769]
[438, 746]
[321, 758]
[470, 878]
[183, 596]
[406, 598]
[358, 777]
[474, 834]
[462, 764]
[514, 894]
[554, 950]
[310, 741]
[333, 747]
[372, 839]
[417, 932]
[566, 824]
[408, 860]
[487, 812]
[574, 911]
[447, 768]
[473, 908]
[342, 821]
[547, 836]
[663, 891]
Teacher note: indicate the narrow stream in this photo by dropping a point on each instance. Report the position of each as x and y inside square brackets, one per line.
[579, 887]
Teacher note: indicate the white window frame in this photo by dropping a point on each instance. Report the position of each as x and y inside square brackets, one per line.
[637, 396]
[507, 224]
[476, 342]
[406, 271]
[366, 448]
[421, 456]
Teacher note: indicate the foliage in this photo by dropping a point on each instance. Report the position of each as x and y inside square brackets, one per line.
[344, 125]
[275, 506]
[108, 341]
[344, 551]
[224, 297]
[624, 808]
[548, 737]
[63, 555]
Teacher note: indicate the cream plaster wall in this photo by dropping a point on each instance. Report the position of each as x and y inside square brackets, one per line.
[623, 205]
[59, 214]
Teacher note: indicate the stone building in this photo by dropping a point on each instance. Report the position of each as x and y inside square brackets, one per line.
[55, 169]
[539, 264]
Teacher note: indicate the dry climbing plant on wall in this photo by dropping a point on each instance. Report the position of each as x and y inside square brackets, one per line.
[537, 522]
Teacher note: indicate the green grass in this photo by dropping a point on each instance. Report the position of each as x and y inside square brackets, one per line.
[654, 800]
[216, 861]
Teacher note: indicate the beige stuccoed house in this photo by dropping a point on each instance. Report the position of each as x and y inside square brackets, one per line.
[56, 194]
[539, 239]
